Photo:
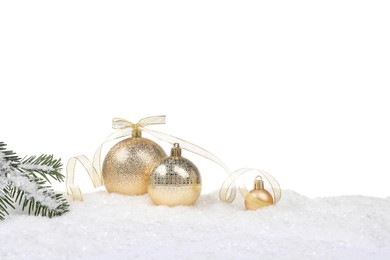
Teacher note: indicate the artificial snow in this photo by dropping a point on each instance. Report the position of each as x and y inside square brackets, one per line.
[112, 226]
[29, 166]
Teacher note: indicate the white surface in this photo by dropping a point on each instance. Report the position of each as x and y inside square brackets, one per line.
[119, 227]
[297, 88]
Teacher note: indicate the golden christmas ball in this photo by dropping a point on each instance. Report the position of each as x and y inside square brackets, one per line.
[258, 197]
[128, 164]
[175, 181]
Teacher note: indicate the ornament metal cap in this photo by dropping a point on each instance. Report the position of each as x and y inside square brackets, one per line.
[259, 183]
[176, 150]
[136, 133]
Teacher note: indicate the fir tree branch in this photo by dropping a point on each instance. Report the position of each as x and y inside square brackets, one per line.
[9, 155]
[44, 165]
[35, 207]
[25, 182]
[5, 201]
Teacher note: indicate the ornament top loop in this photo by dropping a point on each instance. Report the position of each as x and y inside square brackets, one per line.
[258, 178]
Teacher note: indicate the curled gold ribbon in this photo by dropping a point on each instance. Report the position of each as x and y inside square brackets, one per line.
[228, 190]
[125, 128]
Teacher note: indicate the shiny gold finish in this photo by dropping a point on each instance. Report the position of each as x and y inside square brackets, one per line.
[136, 132]
[175, 181]
[259, 184]
[128, 164]
[258, 197]
[176, 151]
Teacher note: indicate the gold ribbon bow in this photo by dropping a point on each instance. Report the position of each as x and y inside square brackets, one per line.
[227, 192]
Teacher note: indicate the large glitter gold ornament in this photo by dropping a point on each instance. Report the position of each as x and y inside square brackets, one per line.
[258, 197]
[128, 164]
[175, 181]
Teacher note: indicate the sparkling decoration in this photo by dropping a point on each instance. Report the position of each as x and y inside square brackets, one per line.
[128, 164]
[258, 197]
[137, 165]
[175, 181]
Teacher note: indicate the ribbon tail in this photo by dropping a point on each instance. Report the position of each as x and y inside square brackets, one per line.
[227, 192]
[73, 190]
[93, 168]
[152, 120]
[120, 123]
[98, 154]
[187, 146]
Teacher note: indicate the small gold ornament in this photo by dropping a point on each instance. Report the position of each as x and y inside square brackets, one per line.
[175, 181]
[128, 164]
[258, 197]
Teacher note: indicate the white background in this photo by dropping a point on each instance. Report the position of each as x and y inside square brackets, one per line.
[297, 88]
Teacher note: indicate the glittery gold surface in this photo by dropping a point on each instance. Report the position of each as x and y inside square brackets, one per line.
[176, 181]
[128, 164]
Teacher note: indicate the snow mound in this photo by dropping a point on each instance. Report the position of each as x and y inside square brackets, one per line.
[111, 226]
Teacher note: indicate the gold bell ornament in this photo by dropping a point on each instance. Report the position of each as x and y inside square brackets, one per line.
[175, 181]
[258, 197]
